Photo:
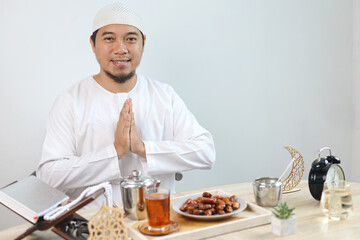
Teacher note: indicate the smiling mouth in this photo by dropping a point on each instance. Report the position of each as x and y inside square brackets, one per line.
[121, 63]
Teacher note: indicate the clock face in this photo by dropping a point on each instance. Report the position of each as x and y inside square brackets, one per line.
[335, 173]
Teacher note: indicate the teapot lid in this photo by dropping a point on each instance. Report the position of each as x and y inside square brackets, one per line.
[136, 180]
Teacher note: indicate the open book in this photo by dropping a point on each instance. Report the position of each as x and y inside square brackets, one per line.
[31, 198]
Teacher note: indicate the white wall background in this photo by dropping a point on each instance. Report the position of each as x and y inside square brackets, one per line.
[259, 74]
[356, 92]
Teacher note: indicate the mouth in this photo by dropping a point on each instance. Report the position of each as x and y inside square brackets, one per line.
[120, 62]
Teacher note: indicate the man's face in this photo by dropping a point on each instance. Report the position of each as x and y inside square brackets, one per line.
[118, 49]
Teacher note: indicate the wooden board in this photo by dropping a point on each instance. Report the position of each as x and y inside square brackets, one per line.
[195, 229]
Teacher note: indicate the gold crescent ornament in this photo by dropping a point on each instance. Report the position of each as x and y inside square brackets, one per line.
[107, 224]
[297, 171]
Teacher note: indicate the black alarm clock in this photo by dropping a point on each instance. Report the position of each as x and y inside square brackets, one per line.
[324, 169]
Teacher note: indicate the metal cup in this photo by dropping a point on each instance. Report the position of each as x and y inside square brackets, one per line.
[267, 191]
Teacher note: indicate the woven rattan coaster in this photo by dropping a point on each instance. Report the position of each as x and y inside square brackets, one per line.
[107, 224]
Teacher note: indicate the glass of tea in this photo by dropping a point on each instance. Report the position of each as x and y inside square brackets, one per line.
[158, 208]
[336, 201]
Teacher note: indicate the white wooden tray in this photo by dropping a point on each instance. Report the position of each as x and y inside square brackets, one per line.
[195, 229]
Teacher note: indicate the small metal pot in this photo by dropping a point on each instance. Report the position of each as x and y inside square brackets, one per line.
[133, 194]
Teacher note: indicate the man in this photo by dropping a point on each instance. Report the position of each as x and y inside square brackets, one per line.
[117, 121]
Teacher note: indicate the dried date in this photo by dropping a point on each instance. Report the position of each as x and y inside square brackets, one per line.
[203, 206]
[207, 194]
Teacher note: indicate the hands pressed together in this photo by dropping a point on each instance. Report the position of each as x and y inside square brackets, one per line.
[127, 136]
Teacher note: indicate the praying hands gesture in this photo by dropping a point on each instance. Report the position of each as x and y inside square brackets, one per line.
[127, 136]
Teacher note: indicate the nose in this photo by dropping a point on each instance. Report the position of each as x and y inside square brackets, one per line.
[120, 47]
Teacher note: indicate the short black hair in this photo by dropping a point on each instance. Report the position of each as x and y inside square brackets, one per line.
[93, 36]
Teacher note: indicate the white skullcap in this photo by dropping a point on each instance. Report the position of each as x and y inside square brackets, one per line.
[116, 13]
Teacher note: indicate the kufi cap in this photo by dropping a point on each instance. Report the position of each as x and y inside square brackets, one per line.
[116, 13]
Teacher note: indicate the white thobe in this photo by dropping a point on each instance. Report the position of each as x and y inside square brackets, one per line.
[78, 149]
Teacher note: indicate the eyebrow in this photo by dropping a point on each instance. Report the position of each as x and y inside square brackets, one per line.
[129, 33]
[106, 33]
[132, 33]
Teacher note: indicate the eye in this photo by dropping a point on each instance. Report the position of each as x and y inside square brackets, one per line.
[131, 39]
[109, 39]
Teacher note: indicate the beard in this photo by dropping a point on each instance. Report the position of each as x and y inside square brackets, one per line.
[122, 78]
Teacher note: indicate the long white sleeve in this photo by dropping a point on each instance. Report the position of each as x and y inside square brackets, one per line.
[62, 166]
[167, 156]
[192, 146]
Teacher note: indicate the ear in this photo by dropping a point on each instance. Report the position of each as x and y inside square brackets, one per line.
[92, 44]
[144, 42]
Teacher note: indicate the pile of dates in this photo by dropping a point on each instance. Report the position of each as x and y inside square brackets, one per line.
[210, 205]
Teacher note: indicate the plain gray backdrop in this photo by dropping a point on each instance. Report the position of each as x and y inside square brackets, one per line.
[259, 75]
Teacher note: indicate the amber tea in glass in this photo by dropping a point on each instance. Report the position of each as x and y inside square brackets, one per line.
[158, 207]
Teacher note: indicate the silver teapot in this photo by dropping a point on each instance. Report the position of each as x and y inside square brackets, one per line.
[133, 194]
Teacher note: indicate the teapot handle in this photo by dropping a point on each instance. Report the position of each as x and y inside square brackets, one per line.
[324, 148]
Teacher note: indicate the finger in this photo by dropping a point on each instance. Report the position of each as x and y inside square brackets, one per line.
[125, 103]
[127, 124]
[130, 104]
[132, 119]
[132, 123]
[125, 110]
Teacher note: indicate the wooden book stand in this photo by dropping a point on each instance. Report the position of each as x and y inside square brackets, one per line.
[70, 225]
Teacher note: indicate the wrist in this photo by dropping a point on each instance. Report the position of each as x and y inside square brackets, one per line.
[141, 150]
[119, 151]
